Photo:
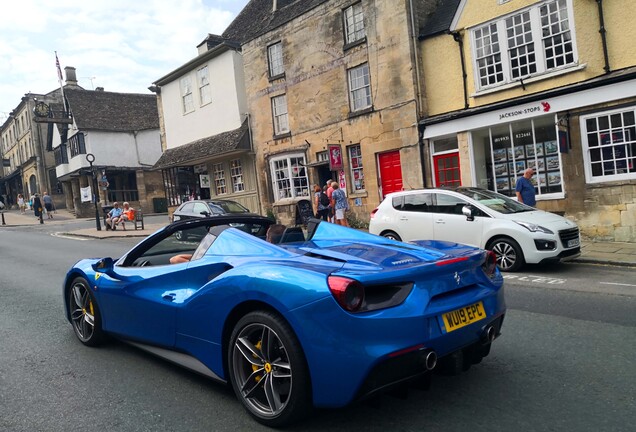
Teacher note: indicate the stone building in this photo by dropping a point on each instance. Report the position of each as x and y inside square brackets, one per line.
[332, 91]
[547, 84]
[121, 132]
[29, 165]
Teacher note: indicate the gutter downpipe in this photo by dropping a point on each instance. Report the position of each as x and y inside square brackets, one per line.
[458, 38]
[603, 32]
[418, 97]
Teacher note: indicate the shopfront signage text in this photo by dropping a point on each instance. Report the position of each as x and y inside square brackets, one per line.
[524, 111]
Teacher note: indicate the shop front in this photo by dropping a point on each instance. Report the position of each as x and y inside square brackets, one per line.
[581, 143]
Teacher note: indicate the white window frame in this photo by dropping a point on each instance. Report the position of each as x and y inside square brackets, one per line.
[504, 47]
[280, 117]
[220, 186]
[355, 158]
[289, 176]
[275, 59]
[359, 87]
[353, 18]
[205, 94]
[187, 100]
[587, 150]
[236, 173]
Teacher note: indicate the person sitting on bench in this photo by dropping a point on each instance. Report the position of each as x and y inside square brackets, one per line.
[113, 215]
[128, 215]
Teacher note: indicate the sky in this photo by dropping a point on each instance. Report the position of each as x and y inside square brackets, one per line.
[121, 45]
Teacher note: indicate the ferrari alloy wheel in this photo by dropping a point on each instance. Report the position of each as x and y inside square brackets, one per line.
[391, 235]
[508, 253]
[268, 369]
[84, 313]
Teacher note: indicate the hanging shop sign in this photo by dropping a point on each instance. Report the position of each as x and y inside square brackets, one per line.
[335, 157]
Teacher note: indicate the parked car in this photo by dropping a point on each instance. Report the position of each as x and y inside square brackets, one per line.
[206, 208]
[515, 232]
[317, 322]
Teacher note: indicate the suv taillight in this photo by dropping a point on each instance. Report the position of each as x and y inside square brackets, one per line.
[374, 212]
[349, 293]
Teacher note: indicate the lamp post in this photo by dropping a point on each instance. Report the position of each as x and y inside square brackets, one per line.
[90, 157]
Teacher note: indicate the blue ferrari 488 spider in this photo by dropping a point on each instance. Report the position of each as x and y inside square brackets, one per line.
[325, 316]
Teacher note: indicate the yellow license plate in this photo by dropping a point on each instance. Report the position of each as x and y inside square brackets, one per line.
[462, 317]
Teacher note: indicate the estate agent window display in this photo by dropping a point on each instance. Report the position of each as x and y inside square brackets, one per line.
[503, 152]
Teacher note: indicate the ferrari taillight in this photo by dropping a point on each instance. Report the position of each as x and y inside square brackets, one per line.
[349, 293]
[490, 263]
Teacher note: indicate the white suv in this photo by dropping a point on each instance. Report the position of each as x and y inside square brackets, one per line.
[515, 232]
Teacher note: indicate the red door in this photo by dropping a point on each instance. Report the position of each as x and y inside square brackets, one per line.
[390, 172]
[447, 171]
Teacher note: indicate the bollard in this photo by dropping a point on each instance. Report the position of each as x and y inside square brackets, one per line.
[41, 216]
[3, 222]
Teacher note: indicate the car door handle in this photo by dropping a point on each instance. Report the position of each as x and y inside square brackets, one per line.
[404, 218]
[170, 296]
[440, 221]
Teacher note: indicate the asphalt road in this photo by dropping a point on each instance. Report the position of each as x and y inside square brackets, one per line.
[565, 361]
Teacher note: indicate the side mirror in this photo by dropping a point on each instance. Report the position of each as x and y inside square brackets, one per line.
[204, 213]
[105, 265]
[469, 211]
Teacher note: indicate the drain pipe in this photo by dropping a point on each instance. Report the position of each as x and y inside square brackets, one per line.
[603, 35]
[458, 38]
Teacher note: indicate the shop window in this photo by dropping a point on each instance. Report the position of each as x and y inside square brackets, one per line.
[502, 153]
[180, 184]
[446, 167]
[357, 173]
[289, 177]
[534, 41]
[236, 171]
[609, 143]
[219, 179]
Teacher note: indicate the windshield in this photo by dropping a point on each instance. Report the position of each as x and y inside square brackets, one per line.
[495, 201]
[227, 207]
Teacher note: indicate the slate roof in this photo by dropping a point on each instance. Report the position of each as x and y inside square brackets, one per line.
[440, 20]
[257, 17]
[115, 112]
[205, 148]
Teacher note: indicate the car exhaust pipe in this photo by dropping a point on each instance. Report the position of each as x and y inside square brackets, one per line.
[430, 360]
[489, 335]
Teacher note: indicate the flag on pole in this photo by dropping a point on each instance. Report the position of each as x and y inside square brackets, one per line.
[59, 69]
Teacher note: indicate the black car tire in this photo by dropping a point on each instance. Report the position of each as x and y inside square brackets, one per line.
[508, 252]
[268, 370]
[391, 235]
[85, 315]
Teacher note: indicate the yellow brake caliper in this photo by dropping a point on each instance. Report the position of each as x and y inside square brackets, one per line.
[255, 367]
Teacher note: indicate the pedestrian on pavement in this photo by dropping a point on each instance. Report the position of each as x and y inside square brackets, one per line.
[525, 189]
[339, 204]
[31, 198]
[48, 204]
[37, 206]
[329, 191]
[21, 204]
[321, 203]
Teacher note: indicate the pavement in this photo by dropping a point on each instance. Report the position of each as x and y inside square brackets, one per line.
[592, 252]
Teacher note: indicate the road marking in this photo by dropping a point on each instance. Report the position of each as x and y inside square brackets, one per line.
[536, 279]
[70, 237]
[616, 283]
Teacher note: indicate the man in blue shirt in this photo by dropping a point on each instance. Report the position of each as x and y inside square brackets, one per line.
[113, 215]
[525, 189]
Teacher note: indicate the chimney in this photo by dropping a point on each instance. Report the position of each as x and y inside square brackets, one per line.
[71, 78]
[274, 5]
[99, 89]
